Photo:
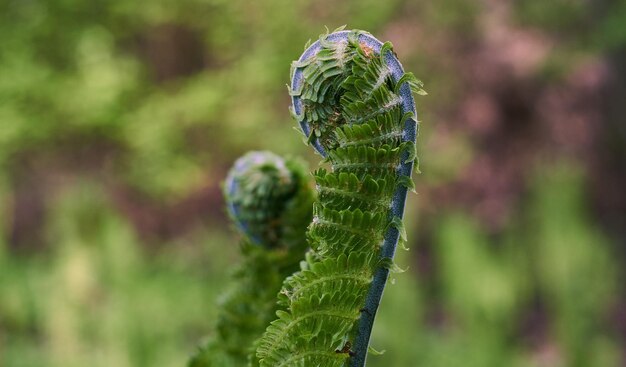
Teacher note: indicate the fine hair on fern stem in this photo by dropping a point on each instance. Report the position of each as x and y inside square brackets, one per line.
[354, 105]
[269, 199]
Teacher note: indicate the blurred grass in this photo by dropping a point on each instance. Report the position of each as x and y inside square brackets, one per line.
[158, 98]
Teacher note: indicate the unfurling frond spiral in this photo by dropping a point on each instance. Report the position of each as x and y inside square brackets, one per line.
[354, 105]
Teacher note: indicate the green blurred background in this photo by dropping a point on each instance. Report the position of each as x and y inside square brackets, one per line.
[119, 119]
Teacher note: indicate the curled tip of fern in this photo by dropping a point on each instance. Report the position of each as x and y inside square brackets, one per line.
[268, 198]
[354, 105]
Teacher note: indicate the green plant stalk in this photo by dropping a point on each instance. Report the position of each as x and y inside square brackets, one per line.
[354, 104]
[269, 199]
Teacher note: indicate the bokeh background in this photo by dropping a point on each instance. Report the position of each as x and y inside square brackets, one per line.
[119, 119]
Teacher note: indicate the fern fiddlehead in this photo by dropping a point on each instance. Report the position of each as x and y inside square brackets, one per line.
[269, 200]
[354, 104]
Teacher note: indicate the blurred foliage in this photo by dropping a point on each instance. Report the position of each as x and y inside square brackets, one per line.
[80, 70]
[161, 96]
[97, 299]
[489, 292]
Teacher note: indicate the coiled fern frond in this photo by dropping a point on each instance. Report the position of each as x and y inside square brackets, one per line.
[354, 105]
[270, 200]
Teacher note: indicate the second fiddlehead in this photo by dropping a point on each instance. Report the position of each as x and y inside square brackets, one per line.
[354, 104]
[269, 200]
